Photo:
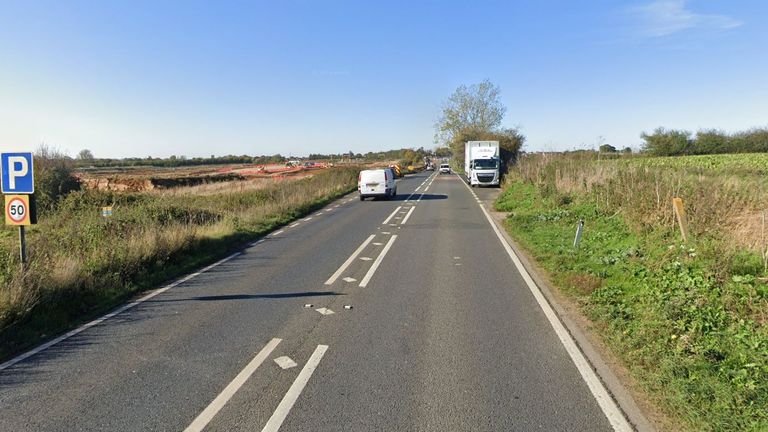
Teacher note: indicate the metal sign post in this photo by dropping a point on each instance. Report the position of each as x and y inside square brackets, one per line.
[17, 181]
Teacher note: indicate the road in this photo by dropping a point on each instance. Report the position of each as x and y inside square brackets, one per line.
[400, 315]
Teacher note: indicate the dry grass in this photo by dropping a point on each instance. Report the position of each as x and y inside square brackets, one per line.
[79, 261]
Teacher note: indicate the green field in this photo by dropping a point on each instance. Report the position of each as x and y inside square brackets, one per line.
[743, 163]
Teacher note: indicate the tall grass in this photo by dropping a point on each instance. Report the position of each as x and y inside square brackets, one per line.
[689, 320]
[81, 263]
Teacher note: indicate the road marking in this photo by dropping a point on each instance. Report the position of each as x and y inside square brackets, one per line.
[277, 232]
[386, 221]
[325, 311]
[337, 206]
[377, 244]
[349, 279]
[261, 241]
[599, 392]
[378, 261]
[366, 258]
[456, 257]
[294, 225]
[290, 398]
[306, 219]
[349, 260]
[117, 311]
[285, 362]
[385, 232]
[208, 413]
[405, 219]
[318, 214]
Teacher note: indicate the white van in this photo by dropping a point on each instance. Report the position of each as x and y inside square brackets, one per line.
[376, 182]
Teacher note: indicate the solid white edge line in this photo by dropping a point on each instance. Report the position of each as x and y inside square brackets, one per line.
[349, 261]
[386, 221]
[612, 412]
[290, 398]
[378, 261]
[408, 215]
[117, 311]
[205, 417]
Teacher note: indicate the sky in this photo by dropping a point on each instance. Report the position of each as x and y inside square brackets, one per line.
[160, 78]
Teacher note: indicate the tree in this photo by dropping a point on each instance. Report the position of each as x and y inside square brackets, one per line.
[607, 148]
[475, 113]
[474, 108]
[85, 155]
[443, 152]
[663, 142]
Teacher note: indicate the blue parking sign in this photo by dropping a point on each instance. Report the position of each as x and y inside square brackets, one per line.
[18, 174]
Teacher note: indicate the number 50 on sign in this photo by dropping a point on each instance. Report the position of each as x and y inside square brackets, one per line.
[17, 211]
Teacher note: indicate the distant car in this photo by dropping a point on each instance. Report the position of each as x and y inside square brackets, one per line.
[445, 168]
[430, 167]
[376, 183]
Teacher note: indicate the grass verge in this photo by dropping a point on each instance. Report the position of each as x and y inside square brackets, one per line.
[695, 340]
[81, 265]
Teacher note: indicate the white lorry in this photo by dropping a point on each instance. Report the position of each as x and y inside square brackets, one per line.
[481, 163]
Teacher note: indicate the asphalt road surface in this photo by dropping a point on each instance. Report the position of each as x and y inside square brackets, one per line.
[399, 315]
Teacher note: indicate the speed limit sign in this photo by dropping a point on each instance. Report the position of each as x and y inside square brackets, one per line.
[17, 211]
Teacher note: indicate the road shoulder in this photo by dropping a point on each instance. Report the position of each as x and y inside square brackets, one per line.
[609, 369]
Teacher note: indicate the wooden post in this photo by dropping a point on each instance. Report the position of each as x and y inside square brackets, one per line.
[682, 221]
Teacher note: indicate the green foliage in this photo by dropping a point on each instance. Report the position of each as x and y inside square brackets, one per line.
[607, 148]
[53, 178]
[663, 142]
[693, 335]
[739, 164]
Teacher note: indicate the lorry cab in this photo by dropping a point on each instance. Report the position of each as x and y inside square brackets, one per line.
[376, 183]
[484, 172]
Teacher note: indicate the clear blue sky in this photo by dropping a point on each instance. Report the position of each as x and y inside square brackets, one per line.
[292, 77]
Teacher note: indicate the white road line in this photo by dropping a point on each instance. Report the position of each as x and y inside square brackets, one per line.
[349, 260]
[307, 219]
[117, 311]
[213, 408]
[290, 398]
[278, 232]
[599, 392]
[386, 221]
[405, 219]
[378, 261]
[294, 225]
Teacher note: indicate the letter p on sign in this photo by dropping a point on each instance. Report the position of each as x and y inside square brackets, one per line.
[17, 173]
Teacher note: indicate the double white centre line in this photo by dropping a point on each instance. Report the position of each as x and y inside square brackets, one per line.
[214, 407]
[386, 221]
[349, 260]
[378, 261]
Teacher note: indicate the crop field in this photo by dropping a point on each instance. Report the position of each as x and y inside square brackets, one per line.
[743, 163]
